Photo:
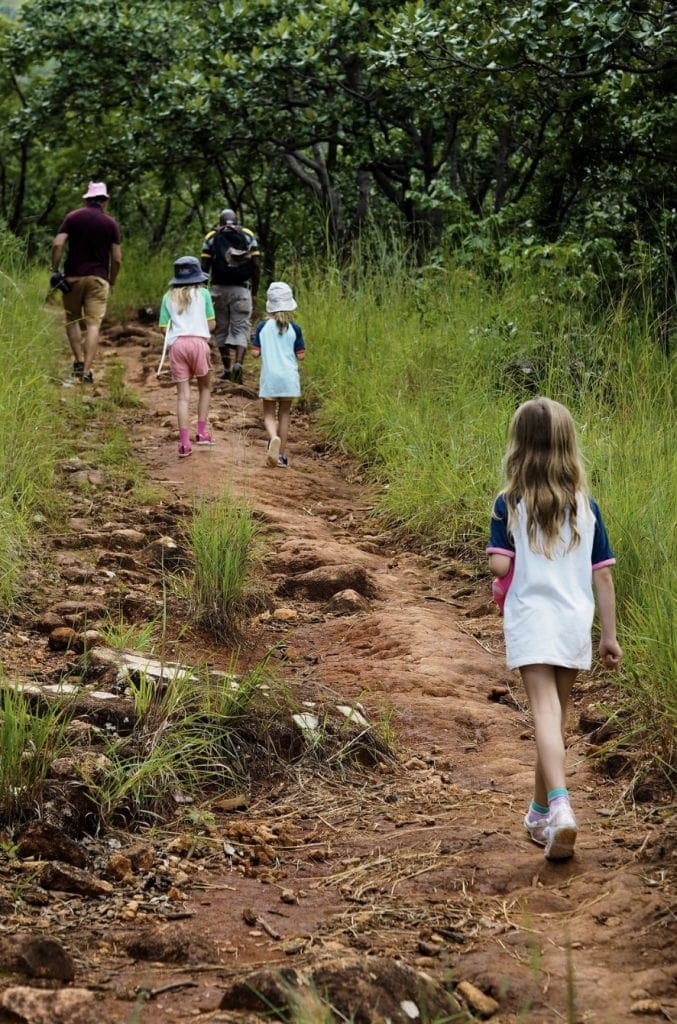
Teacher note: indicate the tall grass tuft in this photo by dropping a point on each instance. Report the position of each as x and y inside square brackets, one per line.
[29, 743]
[185, 745]
[223, 536]
[29, 408]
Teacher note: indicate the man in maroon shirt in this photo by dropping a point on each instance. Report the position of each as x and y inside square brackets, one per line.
[92, 264]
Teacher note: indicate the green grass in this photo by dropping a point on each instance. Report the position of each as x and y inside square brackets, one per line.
[223, 536]
[185, 744]
[29, 410]
[29, 743]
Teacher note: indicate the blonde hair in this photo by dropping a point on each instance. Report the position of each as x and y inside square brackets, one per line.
[544, 469]
[182, 296]
[282, 318]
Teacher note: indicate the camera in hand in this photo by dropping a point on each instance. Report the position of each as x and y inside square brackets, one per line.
[58, 281]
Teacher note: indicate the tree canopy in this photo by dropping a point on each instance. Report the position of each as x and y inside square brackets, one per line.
[462, 122]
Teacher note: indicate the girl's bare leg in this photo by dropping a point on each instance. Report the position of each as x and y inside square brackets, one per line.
[270, 416]
[183, 404]
[284, 416]
[203, 396]
[548, 689]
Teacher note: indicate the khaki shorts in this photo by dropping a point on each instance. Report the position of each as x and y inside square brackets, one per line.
[87, 299]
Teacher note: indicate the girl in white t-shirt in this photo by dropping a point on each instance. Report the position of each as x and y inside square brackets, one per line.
[278, 342]
[187, 313]
[550, 536]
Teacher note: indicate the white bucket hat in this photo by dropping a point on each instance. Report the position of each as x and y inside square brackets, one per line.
[280, 298]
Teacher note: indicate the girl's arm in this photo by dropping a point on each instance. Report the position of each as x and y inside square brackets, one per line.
[609, 649]
[500, 565]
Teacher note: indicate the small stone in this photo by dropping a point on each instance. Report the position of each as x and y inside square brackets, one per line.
[46, 1006]
[480, 1003]
[285, 615]
[59, 878]
[164, 551]
[647, 1007]
[127, 540]
[346, 602]
[64, 638]
[119, 867]
[429, 948]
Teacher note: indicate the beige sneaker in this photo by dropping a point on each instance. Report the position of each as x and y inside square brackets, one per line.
[273, 451]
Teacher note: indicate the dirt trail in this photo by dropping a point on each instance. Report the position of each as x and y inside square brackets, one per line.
[424, 860]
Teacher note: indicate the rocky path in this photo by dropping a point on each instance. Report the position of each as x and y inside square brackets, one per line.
[413, 873]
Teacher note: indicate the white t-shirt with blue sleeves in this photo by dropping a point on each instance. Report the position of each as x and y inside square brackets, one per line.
[550, 605]
[279, 365]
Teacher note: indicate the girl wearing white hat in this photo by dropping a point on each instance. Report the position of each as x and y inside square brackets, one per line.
[278, 342]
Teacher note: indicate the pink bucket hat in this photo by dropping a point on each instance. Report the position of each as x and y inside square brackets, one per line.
[96, 190]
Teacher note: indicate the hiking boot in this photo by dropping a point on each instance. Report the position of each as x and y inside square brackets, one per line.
[560, 833]
[87, 378]
[536, 828]
[282, 462]
[204, 440]
[226, 375]
[273, 451]
[236, 373]
[78, 368]
[184, 451]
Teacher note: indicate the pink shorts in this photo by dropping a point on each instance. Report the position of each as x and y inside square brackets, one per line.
[189, 356]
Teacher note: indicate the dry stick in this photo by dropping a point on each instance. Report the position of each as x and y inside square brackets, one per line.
[171, 987]
[478, 642]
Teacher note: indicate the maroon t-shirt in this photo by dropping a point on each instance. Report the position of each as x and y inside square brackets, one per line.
[91, 233]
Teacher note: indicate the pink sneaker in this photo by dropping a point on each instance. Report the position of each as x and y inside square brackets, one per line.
[184, 451]
[204, 440]
[536, 828]
[560, 833]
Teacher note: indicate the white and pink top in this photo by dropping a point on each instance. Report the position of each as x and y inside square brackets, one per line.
[549, 606]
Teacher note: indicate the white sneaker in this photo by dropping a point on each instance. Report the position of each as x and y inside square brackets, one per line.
[536, 829]
[273, 451]
[560, 833]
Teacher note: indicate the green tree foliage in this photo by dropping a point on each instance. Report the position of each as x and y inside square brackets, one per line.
[470, 121]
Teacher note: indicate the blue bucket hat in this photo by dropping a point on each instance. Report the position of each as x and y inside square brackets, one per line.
[187, 270]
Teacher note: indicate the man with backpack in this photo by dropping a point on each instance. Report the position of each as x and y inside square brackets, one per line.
[230, 255]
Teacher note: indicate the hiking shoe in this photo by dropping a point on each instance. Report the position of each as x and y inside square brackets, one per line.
[536, 829]
[236, 373]
[78, 368]
[282, 462]
[225, 375]
[87, 378]
[204, 440]
[560, 833]
[273, 451]
[184, 451]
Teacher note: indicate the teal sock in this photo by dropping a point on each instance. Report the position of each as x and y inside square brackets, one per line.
[538, 808]
[554, 793]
